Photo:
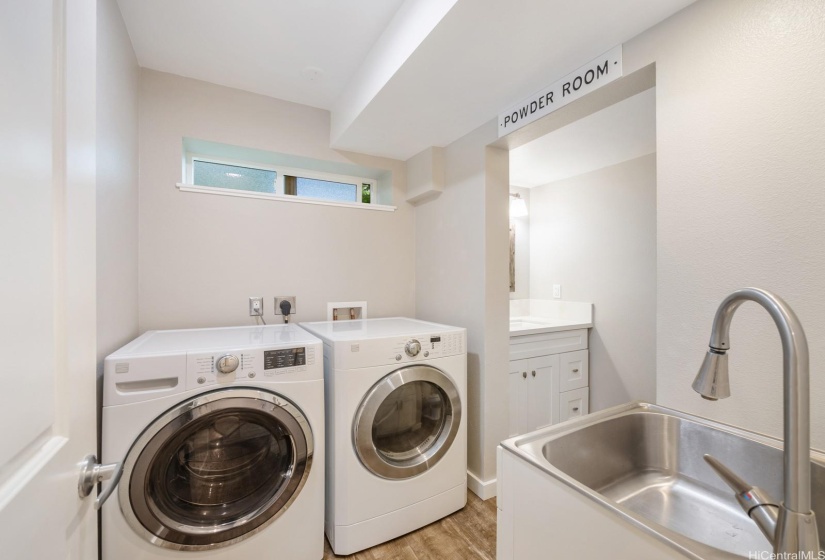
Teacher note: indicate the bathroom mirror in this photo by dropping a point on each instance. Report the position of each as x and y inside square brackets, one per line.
[512, 258]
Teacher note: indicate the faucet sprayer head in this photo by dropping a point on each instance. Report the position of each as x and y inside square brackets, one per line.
[712, 380]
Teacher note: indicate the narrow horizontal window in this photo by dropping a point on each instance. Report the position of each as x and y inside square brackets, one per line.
[235, 177]
[220, 169]
[321, 189]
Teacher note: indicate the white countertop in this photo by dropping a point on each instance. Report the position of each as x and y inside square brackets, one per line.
[520, 326]
[543, 316]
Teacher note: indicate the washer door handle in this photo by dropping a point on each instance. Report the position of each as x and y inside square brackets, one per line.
[92, 472]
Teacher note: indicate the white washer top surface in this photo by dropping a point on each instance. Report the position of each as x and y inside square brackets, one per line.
[186, 340]
[366, 329]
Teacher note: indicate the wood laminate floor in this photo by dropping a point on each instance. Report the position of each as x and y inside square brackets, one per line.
[468, 534]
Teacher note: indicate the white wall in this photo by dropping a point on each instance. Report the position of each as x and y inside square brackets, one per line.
[202, 256]
[739, 202]
[450, 260]
[117, 183]
[522, 228]
[462, 279]
[496, 304]
[595, 235]
[741, 194]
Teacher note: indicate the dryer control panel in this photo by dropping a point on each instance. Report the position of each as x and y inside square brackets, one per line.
[426, 346]
[244, 365]
[399, 350]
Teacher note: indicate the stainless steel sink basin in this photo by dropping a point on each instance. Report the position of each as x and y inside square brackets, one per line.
[645, 463]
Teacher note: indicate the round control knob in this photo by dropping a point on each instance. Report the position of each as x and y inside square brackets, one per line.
[412, 348]
[227, 364]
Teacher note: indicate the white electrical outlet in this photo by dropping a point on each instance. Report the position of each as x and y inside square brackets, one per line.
[557, 291]
[290, 299]
[256, 306]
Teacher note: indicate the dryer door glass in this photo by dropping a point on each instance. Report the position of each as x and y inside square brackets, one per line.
[217, 469]
[407, 422]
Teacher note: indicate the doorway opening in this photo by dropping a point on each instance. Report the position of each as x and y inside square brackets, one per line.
[583, 256]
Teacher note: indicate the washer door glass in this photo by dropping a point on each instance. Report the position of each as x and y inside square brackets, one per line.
[216, 469]
[407, 422]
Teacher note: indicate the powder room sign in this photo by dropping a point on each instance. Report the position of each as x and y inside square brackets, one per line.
[586, 79]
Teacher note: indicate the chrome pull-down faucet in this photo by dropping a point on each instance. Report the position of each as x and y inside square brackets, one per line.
[796, 529]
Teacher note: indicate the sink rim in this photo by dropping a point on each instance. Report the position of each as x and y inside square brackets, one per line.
[529, 447]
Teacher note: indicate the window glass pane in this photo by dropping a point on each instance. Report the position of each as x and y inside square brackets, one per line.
[208, 174]
[327, 190]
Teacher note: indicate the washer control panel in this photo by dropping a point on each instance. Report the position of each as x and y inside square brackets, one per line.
[285, 358]
[219, 368]
[227, 363]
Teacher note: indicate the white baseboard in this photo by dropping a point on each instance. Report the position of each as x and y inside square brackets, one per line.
[483, 489]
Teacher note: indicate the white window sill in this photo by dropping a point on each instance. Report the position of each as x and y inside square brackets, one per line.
[184, 187]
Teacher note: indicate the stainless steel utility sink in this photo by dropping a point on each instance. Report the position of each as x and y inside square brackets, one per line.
[645, 463]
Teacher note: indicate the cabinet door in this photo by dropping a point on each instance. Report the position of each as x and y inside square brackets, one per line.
[543, 389]
[574, 370]
[574, 403]
[517, 387]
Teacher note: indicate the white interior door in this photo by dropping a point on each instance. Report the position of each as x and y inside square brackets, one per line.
[47, 291]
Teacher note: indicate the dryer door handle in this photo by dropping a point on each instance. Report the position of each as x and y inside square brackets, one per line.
[92, 473]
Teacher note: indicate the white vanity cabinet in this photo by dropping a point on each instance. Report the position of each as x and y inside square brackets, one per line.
[531, 385]
[548, 379]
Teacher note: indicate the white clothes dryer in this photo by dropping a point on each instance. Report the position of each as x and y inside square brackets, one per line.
[221, 437]
[396, 394]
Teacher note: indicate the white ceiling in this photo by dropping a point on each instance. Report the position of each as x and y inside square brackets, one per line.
[397, 75]
[484, 56]
[263, 46]
[621, 132]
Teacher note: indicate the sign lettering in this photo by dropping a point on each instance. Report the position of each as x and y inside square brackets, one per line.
[586, 79]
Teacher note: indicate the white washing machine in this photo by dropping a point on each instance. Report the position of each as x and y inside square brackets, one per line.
[396, 427]
[221, 437]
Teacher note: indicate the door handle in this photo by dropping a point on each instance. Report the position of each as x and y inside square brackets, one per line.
[92, 472]
[576, 370]
[534, 373]
[524, 374]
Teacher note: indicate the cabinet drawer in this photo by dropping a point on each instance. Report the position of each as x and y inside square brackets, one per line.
[533, 345]
[574, 370]
[574, 403]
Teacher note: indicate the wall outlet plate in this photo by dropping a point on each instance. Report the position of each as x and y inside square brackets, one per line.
[256, 306]
[290, 299]
[557, 291]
